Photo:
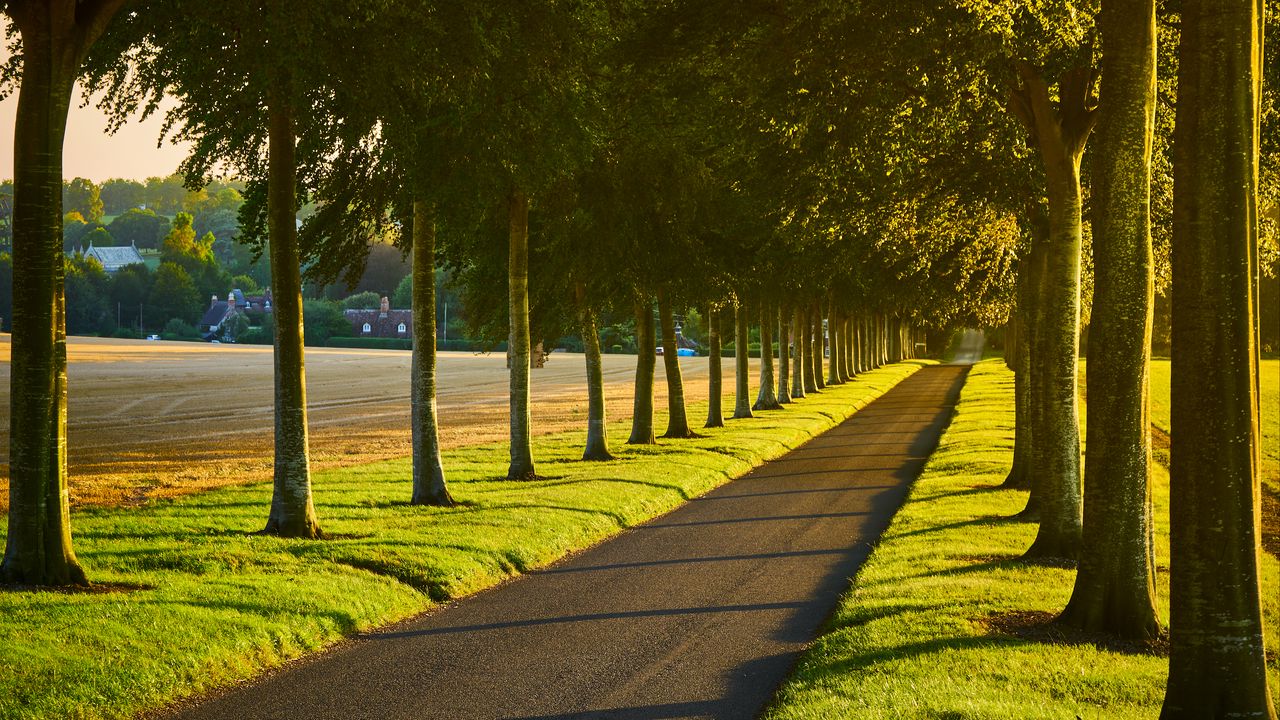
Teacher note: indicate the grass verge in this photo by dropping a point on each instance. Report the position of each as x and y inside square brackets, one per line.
[218, 605]
[923, 631]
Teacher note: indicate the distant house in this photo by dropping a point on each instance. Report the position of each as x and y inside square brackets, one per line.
[216, 323]
[114, 258]
[381, 323]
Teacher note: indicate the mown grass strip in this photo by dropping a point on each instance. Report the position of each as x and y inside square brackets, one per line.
[913, 638]
[223, 605]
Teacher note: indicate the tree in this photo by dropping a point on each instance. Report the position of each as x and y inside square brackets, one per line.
[141, 228]
[767, 399]
[119, 195]
[173, 295]
[597, 445]
[677, 420]
[164, 195]
[742, 364]
[715, 415]
[55, 39]
[429, 487]
[82, 196]
[1115, 586]
[371, 301]
[1217, 661]
[6, 289]
[646, 361]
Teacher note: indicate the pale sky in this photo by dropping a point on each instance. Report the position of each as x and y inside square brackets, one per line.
[89, 151]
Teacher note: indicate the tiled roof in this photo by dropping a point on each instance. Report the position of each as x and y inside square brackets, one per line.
[114, 258]
[381, 324]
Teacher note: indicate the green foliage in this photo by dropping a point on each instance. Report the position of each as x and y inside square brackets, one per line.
[246, 284]
[120, 195]
[402, 298]
[221, 603]
[372, 343]
[143, 228]
[83, 197]
[176, 329]
[322, 320]
[173, 295]
[97, 237]
[362, 301]
[86, 292]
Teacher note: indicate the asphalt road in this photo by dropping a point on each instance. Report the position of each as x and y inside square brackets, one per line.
[697, 614]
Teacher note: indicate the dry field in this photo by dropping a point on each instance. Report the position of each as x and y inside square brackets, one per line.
[157, 419]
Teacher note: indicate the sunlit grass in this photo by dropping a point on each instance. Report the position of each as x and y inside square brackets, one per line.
[910, 639]
[221, 604]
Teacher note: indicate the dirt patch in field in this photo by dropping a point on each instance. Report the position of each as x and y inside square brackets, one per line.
[161, 419]
[1042, 627]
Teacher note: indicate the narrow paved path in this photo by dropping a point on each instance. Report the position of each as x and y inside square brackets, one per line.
[697, 614]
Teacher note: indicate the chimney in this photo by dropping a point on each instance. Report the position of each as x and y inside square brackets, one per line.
[213, 301]
[385, 307]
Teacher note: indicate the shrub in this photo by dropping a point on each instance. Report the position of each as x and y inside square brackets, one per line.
[371, 343]
[367, 300]
[179, 328]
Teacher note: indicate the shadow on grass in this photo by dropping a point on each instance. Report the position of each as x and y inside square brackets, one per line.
[1042, 627]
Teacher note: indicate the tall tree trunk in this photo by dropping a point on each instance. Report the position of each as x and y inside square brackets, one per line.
[805, 329]
[292, 511]
[429, 486]
[819, 346]
[646, 361]
[784, 358]
[1017, 357]
[847, 372]
[800, 357]
[1217, 661]
[833, 333]
[597, 447]
[1115, 590]
[1060, 133]
[1036, 388]
[767, 398]
[742, 368]
[715, 382]
[521, 467]
[677, 421]
[38, 547]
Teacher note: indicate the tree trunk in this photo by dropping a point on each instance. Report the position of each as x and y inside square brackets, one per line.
[819, 346]
[715, 382]
[521, 467]
[805, 329]
[833, 333]
[1017, 355]
[1036, 398]
[677, 421]
[38, 547]
[1217, 662]
[846, 348]
[597, 435]
[1060, 133]
[767, 398]
[742, 368]
[784, 358]
[429, 487]
[799, 359]
[1115, 590]
[292, 512]
[646, 361]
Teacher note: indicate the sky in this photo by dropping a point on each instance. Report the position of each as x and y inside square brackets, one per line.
[89, 152]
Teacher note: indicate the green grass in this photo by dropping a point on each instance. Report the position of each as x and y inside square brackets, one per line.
[222, 605]
[911, 640]
[1269, 382]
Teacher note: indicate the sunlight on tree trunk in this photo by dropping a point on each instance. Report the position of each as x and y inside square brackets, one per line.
[292, 511]
[521, 467]
[1115, 589]
[429, 487]
[1217, 659]
[784, 357]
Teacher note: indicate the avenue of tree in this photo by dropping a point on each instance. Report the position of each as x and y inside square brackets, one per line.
[1044, 167]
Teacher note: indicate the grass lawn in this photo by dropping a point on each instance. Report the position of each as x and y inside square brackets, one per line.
[1269, 377]
[914, 639]
[220, 604]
